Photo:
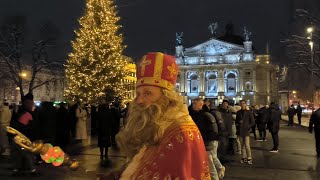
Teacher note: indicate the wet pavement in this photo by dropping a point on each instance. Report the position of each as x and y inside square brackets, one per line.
[296, 160]
[304, 120]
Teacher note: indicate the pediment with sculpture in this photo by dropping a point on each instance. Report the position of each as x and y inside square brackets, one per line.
[213, 47]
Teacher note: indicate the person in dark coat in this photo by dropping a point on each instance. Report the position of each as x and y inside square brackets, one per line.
[93, 120]
[116, 115]
[206, 105]
[104, 120]
[274, 125]
[262, 122]
[47, 120]
[255, 116]
[124, 113]
[73, 119]
[209, 131]
[314, 124]
[23, 161]
[225, 129]
[291, 112]
[244, 122]
[299, 113]
[62, 133]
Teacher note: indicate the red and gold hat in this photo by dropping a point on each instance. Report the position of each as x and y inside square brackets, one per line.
[157, 69]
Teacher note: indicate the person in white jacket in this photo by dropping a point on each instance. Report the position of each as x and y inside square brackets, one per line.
[5, 118]
[81, 126]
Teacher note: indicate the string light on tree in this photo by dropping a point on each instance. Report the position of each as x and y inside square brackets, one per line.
[96, 65]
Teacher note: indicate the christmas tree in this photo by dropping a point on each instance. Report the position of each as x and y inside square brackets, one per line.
[95, 68]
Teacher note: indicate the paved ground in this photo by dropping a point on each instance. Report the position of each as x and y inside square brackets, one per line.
[295, 161]
[304, 120]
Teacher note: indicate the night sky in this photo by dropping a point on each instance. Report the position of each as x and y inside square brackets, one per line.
[150, 25]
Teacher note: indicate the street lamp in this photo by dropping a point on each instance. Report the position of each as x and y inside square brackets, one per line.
[310, 30]
[23, 75]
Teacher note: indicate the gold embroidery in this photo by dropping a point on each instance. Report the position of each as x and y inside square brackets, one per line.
[160, 82]
[168, 177]
[170, 146]
[179, 138]
[198, 135]
[205, 176]
[172, 70]
[143, 65]
[158, 66]
[190, 134]
[177, 178]
[174, 131]
[156, 176]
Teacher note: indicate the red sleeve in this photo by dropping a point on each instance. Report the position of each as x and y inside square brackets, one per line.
[180, 155]
[25, 118]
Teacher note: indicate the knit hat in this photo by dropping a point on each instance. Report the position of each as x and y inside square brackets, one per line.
[157, 69]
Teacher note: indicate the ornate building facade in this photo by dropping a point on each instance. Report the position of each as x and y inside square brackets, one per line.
[220, 70]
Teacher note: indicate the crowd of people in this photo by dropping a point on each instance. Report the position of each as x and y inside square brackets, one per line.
[62, 125]
[226, 130]
[292, 112]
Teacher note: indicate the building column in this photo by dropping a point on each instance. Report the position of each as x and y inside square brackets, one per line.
[182, 81]
[185, 73]
[240, 80]
[220, 80]
[201, 82]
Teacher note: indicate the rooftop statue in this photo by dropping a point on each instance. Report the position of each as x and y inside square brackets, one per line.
[213, 27]
[179, 38]
[246, 34]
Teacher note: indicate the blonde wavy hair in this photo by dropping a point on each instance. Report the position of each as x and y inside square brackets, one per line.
[146, 126]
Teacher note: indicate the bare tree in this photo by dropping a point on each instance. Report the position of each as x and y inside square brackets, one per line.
[16, 59]
[298, 46]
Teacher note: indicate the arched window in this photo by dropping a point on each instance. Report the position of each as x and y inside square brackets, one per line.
[212, 83]
[231, 82]
[194, 83]
[248, 86]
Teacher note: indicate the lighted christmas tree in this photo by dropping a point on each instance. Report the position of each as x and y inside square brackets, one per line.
[95, 68]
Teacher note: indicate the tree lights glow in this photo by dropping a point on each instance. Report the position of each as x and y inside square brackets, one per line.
[95, 67]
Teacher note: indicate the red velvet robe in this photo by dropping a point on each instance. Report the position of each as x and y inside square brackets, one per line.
[181, 155]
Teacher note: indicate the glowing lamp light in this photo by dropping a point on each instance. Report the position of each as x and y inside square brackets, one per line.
[309, 29]
[294, 92]
[311, 44]
[24, 74]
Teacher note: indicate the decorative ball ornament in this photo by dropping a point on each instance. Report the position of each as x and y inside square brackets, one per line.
[48, 153]
[53, 155]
